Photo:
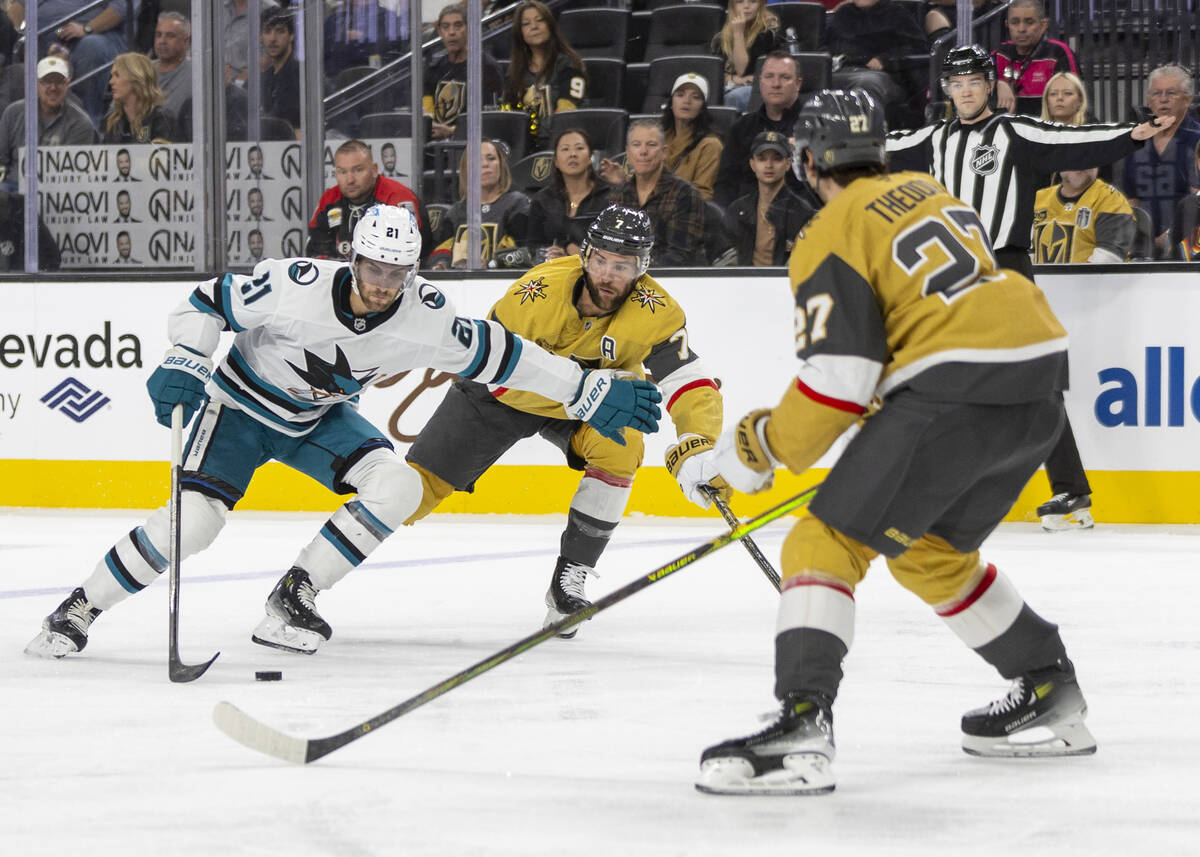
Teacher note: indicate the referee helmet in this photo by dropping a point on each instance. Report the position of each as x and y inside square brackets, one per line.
[968, 59]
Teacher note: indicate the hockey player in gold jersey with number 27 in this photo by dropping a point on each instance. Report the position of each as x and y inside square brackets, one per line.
[955, 369]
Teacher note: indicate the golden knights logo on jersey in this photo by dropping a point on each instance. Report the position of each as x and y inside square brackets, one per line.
[449, 100]
[1052, 242]
[646, 296]
[531, 291]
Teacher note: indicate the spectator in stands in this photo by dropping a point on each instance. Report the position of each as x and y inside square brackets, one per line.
[445, 95]
[9, 36]
[136, 114]
[559, 214]
[1161, 173]
[693, 148]
[359, 186]
[237, 108]
[235, 33]
[61, 122]
[1083, 219]
[1065, 100]
[364, 33]
[172, 40]
[675, 207]
[1025, 64]
[779, 84]
[12, 237]
[750, 31]
[281, 77]
[545, 74]
[872, 38]
[94, 36]
[505, 216]
[1185, 234]
[762, 226]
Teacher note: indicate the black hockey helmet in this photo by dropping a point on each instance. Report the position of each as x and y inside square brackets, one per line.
[968, 59]
[623, 230]
[842, 128]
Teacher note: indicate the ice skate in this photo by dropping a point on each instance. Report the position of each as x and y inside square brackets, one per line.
[565, 595]
[792, 756]
[66, 629]
[292, 622]
[1042, 715]
[1066, 512]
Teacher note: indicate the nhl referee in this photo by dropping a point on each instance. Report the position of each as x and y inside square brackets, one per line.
[993, 161]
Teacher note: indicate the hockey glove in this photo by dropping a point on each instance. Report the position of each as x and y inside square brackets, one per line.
[179, 380]
[693, 464]
[608, 402]
[742, 456]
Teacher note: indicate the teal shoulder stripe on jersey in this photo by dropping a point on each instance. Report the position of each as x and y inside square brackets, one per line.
[513, 359]
[254, 406]
[263, 388]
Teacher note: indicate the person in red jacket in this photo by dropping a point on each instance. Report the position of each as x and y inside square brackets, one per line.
[1025, 64]
[359, 186]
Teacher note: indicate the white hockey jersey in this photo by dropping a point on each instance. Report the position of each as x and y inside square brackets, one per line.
[299, 348]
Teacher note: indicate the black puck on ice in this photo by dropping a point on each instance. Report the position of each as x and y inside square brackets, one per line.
[268, 675]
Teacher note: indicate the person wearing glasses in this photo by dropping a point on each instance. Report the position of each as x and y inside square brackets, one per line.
[1159, 175]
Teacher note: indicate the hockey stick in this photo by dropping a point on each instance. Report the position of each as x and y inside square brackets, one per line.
[747, 542]
[244, 729]
[177, 669]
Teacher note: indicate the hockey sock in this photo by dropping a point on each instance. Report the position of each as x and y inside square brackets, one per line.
[813, 633]
[137, 560]
[342, 544]
[596, 509]
[996, 622]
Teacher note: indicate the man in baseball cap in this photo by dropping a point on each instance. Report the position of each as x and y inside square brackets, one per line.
[60, 122]
[762, 226]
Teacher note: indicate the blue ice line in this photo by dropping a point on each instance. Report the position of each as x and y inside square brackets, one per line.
[403, 563]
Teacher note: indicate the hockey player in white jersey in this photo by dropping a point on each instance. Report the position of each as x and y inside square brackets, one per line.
[310, 337]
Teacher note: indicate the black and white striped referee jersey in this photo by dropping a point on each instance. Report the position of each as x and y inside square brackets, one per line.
[994, 164]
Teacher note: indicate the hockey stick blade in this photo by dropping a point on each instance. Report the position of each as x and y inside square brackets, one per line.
[177, 670]
[747, 542]
[252, 733]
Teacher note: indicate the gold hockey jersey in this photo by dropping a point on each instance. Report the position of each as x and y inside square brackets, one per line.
[897, 288]
[1070, 230]
[647, 332]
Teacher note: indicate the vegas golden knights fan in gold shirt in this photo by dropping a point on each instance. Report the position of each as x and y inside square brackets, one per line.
[601, 309]
[1082, 219]
[954, 371]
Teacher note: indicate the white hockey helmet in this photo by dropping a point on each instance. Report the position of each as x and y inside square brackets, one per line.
[389, 234]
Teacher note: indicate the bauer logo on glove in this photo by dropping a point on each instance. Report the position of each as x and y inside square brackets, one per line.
[692, 463]
[743, 457]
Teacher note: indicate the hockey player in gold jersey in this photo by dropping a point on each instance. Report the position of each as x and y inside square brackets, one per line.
[602, 309]
[1081, 219]
[955, 369]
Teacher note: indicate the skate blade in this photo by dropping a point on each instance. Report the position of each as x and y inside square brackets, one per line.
[802, 774]
[1078, 520]
[49, 644]
[553, 616]
[1069, 738]
[277, 634]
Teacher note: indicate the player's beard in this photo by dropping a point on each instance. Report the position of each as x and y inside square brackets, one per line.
[604, 302]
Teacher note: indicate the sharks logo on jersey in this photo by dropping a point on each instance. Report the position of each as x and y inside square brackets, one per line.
[329, 379]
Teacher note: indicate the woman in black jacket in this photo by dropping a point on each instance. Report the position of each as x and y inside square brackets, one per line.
[137, 114]
[560, 213]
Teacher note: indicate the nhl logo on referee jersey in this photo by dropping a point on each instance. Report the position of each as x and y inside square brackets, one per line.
[985, 160]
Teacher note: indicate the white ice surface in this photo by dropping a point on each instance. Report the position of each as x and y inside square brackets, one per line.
[587, 747]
